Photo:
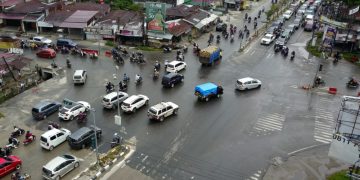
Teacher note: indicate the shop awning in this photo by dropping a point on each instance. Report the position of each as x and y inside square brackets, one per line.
[206, 21]
[12, 16]
[159, 36]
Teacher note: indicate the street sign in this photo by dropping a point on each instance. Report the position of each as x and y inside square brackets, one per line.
[352, 11]
[117, 120]
[16, 51]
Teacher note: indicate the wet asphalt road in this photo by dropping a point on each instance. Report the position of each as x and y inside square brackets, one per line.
[234, 137]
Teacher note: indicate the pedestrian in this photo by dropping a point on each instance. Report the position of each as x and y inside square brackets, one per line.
[22, 87]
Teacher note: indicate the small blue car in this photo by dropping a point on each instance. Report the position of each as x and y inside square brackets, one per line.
[208, 90]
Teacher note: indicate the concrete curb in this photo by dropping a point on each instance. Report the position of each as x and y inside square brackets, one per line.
[107, 167]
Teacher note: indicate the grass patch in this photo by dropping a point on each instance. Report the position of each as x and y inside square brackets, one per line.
[1, 115]
[348, 55]
[341, 175]
[313, 50]
[110, 43]
[147, 48]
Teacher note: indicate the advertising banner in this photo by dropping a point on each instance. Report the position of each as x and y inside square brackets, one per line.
[329, 36]
[155, 16]
[343, 149]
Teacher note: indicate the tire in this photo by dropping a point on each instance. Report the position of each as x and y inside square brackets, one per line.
[175, 111]
[172, 85]
[146, 102]
[76, 165]
[18, 167]
[134, 110]
[259, 86]
[51, 148]
[161, 119]
[71, 118]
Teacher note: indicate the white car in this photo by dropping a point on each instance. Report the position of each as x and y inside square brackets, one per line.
[79, 77]
[60, 166]
[111, 100]
[267, 39]
[287, 15]
[175, 66]
[85, 104]
[69, 112]
[162, 110]
[134, 102]
[53, 138]
[41, 40]
[247, 83]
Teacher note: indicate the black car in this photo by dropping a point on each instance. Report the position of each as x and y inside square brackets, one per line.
[170, 79]
[83, 137]
[221, 27]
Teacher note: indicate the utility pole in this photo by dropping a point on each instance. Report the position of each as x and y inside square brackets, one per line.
[95, 136]
[7, 65]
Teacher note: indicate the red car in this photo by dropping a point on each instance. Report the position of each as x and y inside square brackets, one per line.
[9, 164]
[46, 53]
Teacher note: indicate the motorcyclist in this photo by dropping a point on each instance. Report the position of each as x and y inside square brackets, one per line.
[16, 129]
[13, 142]
[249, 19]
[211, 36]
[116, 138]
[138, 78]
[353, 81]
[232, 38]
[109, 86]
[82, 116]
[246, 16]
[156, 72]
[157, 66]
[318, 80]
[285, 50]
[126, 78]
[28, 135]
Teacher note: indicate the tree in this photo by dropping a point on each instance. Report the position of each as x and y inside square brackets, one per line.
[124, 4]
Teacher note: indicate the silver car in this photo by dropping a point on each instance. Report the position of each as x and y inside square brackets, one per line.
[60, 166]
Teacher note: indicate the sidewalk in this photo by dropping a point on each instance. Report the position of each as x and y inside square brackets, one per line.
[307, 165]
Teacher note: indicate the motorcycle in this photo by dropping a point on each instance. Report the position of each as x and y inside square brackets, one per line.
[29, 140]
[156, 74]
[123, 87]
[232, 39]
[276, 49]
[14, 143]
[6, 151]
[133, 58]
[68, 64]
[18, 133]
[109, 89]
[81, 118]
[167, 49]
[352, 84]
[52, 125]
[138, 81]
[217, 41]
[17, 176]
[116, 142]
[126, 79]
[249, 20]
[119, 59]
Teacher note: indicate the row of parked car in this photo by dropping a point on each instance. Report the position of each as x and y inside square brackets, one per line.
[304, 17]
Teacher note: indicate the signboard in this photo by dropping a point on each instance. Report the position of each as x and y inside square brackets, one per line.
[329, 36]
[355, 10]
[16, 51]
[328, 21]
[155, 16]
[343, 149]
[117, 120]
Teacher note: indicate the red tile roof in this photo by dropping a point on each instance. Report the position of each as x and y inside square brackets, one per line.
[179, 28]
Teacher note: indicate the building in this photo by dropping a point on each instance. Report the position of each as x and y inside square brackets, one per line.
[201, 21]
[180, 11]
[179, 29]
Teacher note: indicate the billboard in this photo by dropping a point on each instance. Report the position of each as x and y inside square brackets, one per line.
[155, 16]
[344, 149]
[329, 36]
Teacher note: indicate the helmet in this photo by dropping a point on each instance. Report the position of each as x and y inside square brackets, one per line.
[157, 61]
[115, 134]
[15, 127]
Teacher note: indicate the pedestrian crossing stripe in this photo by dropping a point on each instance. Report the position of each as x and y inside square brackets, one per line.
[270, 122]
[323, 127]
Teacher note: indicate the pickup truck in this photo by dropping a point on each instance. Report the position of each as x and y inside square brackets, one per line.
[39, 40]
[209, 55]
[208, 90]
[162, 110]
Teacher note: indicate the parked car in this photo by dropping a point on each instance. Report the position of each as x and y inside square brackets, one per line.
[112, 99]
[83, 137]
[134, 102]
[309, 12]
[175, 66]
[162, 110]
[40, 40]
[70, 111]
[46, 53]
[60, 166]
[170, 79]
[309, 26]
[221, 27]
[271, 30]
[276, 24]
[286, 33]
[287, 15]
[66, 42]
[301, 10]
[9, 164]
[53, 138]
[247, 83]
[45, 108]
[79, 77]
[267, 39]
[309, 18]
[208, 90]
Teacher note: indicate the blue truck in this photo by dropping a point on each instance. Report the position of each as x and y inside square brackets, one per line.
[208, 90]
[209, 55]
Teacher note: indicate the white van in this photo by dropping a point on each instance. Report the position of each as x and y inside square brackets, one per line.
[53, 138]
[309, 18]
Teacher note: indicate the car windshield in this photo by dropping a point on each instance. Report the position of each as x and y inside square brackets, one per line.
[126, 104]
[35, 110]
[106, 100]
[47, 172]
[77, 77]
[171, 66]
[43, 139]
[153, 111]
[239, 82]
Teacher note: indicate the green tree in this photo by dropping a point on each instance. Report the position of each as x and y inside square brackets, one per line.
[124, 4]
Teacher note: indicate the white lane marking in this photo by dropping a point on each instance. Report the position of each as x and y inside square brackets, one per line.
[303, 149]
[254, 178]
[144, 158]
[252, 52]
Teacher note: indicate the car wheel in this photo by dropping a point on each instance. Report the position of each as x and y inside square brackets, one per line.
[161, 119]
[76, 165]
[71, 118]
[51, 148]
[18, 167]
[172, 85]
[175, 111]
[134, 110]
[259, 86]
[207, 99]
[146, 102]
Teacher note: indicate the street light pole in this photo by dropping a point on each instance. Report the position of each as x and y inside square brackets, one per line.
[96, 144]
[118, 89]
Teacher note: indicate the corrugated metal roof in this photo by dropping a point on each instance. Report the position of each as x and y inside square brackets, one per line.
[10, 3]
[81, 16]
[12, 16]
[72, 25]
